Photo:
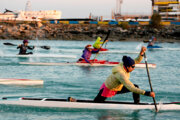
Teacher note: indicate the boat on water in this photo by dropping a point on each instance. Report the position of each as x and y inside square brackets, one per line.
[41, 56]
[108, 51]
[154, 46]
[87, 104]
[13, 81]
[101, 49]
[83, 63]
[120, 52]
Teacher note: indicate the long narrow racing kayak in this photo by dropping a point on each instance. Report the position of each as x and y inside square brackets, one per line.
[13, 81]
[41, 55]
[87, 104]
[101, 49]
[108, 51]
[154, 46]
[120, 52]
[96, 63]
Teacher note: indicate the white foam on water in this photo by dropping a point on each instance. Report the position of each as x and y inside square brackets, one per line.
[166, 49]
[1, 53]
[71, 50]
[139, 46]
[171, 49]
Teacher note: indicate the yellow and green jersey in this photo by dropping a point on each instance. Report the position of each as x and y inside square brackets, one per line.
[98, 43]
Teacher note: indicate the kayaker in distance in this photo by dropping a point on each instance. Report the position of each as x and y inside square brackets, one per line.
[118, 82]
[87, 52]
[152, 41]
[98, 43]
[23, 48]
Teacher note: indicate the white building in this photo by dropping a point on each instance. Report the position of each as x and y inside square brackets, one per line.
[31, 15]
[48, 14]
[7, 16]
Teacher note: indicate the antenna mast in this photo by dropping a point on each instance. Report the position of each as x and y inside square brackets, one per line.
[28, 6]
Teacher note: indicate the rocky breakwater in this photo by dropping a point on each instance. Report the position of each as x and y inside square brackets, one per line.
[86, 32]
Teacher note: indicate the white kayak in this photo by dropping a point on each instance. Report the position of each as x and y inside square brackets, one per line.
[41, 55]
[88, 104]
[140, 65]
[13, 81]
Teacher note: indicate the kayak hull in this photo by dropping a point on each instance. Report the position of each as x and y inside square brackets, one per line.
[40, 56]
[96, 64]
[102, 49]
[12, 81]
[88, 104]
[150, 47]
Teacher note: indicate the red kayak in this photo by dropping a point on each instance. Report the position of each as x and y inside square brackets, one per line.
[102, 49]
[95, 61]
[108, 63]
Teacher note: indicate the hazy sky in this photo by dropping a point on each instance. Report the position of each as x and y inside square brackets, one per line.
[80, 8]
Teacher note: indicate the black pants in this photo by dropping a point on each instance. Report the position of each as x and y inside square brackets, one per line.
[25, 53]
[100, 98]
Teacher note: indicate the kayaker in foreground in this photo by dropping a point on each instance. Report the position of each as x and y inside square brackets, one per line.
[87, 52]
[98, 43]
[23, 48]
[118, 82]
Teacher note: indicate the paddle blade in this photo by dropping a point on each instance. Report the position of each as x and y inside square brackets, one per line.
[45, 47]
[109, 31]
[9, 44]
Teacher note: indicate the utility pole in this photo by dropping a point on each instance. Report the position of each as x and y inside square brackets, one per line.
[178, 11]
[118, 6]
[28, 6]
[152, 6]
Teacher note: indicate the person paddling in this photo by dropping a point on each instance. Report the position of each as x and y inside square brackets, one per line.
[152, 41]
[87, 52]
[23, 48]
[118, 82]
[98, 43]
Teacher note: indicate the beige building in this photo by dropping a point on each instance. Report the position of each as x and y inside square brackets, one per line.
[168, 9]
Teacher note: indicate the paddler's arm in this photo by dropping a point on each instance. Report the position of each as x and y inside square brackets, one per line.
[19, 46]
[86, 60]
[140, 56]
[31, 48]
[85, 56]
[100, 42]
[130, 86]
[106, 41]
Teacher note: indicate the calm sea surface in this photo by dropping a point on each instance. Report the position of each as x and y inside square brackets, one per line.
[84, 82]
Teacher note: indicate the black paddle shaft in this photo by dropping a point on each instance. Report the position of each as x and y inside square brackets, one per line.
[9, 44]
[109, 31]
[43, 47]
[150, 81]
[103, 42]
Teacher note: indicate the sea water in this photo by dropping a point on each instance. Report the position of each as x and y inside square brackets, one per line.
[83, 82]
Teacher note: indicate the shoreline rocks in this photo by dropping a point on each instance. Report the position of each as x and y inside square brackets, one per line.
[89, 32]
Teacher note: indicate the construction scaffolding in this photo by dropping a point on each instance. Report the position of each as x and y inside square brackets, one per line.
[119, 17]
